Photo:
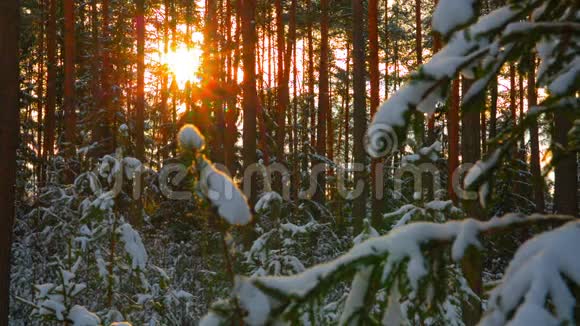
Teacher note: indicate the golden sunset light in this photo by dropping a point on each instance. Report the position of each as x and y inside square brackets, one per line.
[306, 162]
[184, 64]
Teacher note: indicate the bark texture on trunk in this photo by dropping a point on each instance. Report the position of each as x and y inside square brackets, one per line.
[537, 179]
[373, 59]
[566, 172]
[69, 78]
[140, 96]
[250, 101]
[9, 129]
[49, 115]
[323, 101]
[359, 113]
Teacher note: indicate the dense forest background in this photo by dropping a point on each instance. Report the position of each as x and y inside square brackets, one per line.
[279, 88]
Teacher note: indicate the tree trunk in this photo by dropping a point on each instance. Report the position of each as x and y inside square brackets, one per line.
[136, 214]
[9, 129]
[140, 96]
[566, 172]
[360, 117]
[483, 132]
[107, 134]
[512, 104]
[431, 122]
[40, 102]
[536, 170]
[323, 102]
[453, 127]
[493, 109]
[347, 111]
[283, 78]
[521, 114]
[471, 153]
[211, 81]
[231, 115]
[69, 81]
[164, 107]
[373, 58]
[49, 115]
[387, 36]
[419, 117]
[295, 128]
[250, 101]
[311, 78]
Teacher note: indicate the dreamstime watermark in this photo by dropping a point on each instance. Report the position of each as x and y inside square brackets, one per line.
[380, 141]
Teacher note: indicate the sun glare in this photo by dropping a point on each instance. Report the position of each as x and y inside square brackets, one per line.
[184, 64]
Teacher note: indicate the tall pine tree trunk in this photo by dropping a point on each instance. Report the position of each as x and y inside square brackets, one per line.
[323, 102]
[51, 75]
[69, 81]
[294, 126]
[9, 129]
[211, 72]
[311, 78]
[453, 128]
[566, 172]
[472, 262]
[283, 78]
[359, 114]
[521, 114]
[107, 134]
[431, 122]
[373, 58]
[536, 170]
[512, 104]
[347, 111]
[250, 101]
[140, 96]
[40, 102]
[136, 214]
[387, 37]
[419, 118]
[493, 108]
[164, 107]
[231, 115]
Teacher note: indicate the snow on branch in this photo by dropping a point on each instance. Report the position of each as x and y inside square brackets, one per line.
[190, 138]
[133, 246]
[451, 14]
[403, 245]
[230, 202]
[489, 40]
[540, 272]
[216, 186]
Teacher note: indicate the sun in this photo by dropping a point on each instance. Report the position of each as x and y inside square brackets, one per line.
[184, 63]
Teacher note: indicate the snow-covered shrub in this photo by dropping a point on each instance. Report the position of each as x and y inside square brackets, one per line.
[85, 256]
[55, 301]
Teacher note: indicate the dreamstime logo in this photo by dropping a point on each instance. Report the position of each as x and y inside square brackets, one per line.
[214, 178]
[381, 140]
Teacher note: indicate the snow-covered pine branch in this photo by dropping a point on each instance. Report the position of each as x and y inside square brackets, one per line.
[541, 271]
[398, 255]
[190, 138]
[221, 191]
[225, 196]
[479, 51]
